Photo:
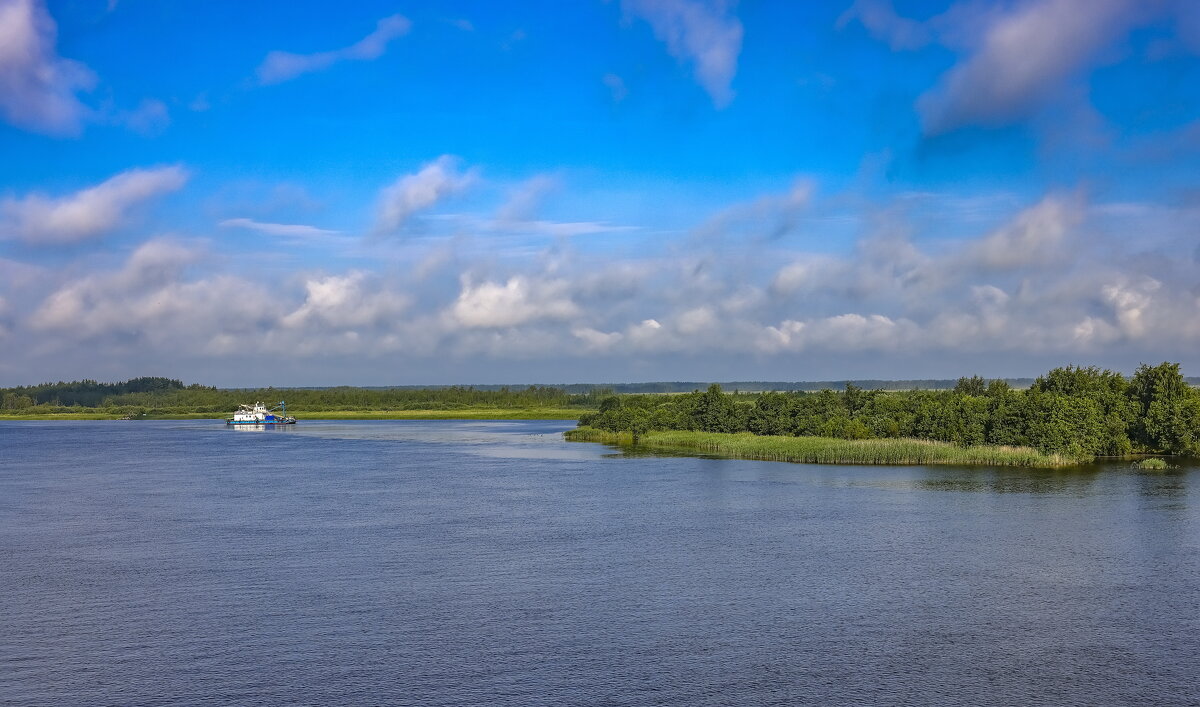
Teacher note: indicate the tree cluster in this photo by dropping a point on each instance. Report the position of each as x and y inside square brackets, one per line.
[172, 396]
[1079, 411]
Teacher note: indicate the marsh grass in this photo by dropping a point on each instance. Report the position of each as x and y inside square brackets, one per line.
[1152, 464]
[825, 450]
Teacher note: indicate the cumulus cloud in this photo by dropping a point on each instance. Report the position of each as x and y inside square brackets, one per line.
[282, 66]
[345, 302]
[1022, 61]
[518, 301]
[842, 332]
[416, 192]
[37, 87]
[89, 213]
[278, 229]
[165, 300]
[702, 33]
[1034, 237]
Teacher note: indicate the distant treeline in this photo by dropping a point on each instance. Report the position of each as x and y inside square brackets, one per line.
[782, 386]
[85, 393]
[1076, 411]
[172, 396]
[741, 386]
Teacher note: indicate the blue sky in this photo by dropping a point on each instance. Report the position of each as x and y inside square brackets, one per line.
[375, 193]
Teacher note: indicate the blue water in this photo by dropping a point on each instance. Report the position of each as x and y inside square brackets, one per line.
[490, 563]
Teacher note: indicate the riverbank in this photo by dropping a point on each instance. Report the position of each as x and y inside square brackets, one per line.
[825, 450]
[458, 414]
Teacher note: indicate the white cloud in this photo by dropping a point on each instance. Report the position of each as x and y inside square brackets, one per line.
[518, 301]
[1034, 237]
[1131, 304]
[416, 192]
[1023, 60]
[282, 66]
[89, 213]
[37, 87]
[842, 332]
[278, 229]
[702, 33]
[806, 273]
[344, 302]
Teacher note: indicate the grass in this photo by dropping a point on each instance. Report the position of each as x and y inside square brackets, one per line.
[825, 450]
[457, 414]
[1153, 464]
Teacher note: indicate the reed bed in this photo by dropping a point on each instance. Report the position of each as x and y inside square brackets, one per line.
[825, 450]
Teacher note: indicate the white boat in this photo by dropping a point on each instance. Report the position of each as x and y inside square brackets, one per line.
[259, 414]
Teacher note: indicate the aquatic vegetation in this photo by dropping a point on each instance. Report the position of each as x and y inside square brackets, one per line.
[827, 450]
[1151, 464]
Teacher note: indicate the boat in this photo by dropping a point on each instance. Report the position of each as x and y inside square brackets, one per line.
[259, 414]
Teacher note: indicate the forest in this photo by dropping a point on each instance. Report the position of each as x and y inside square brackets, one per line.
[164, 397]
[1075, 411]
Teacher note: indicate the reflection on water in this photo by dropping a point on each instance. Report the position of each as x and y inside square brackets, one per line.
[1079, 481]
[537, 439]
[1075, 481]
[265, 427]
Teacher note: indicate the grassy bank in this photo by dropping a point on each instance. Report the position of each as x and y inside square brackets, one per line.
[825, 450]
[539, 413]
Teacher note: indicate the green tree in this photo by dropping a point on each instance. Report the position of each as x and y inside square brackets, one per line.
[975, 385]
[1169, 419]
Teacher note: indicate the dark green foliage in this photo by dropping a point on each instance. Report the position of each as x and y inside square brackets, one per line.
[167, 395]
[1076, 411]
[975, 385]
[89, 393]
[1168, 410]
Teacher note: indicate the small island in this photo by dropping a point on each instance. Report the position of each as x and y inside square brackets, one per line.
[1071, 415]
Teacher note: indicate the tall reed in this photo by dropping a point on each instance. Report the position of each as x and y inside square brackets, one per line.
[825, 450]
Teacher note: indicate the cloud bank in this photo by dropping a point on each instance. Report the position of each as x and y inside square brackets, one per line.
[1045, 281]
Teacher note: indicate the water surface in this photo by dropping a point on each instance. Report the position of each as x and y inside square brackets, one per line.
[482, 562]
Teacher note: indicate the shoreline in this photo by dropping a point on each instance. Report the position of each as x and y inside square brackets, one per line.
[826, 450]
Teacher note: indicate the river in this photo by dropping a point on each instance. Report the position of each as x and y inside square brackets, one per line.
[490, 563]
